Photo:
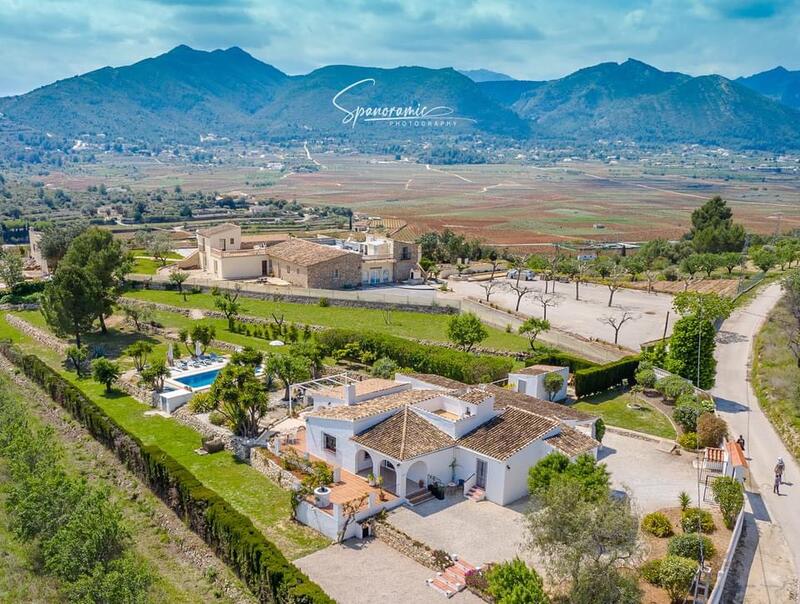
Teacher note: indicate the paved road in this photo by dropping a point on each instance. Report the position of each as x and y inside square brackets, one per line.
[738, 404]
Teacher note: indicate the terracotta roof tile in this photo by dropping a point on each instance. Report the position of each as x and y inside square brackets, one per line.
[503, 397]
[572, 442]
[537, 369]
[376, 406]
[305, 253]
[473, 394]
[508, 433]
[363, 387]
[404, 435]
[437, 380]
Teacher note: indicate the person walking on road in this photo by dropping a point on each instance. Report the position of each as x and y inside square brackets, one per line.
[740, 441]
[780, 467]
[776, 486]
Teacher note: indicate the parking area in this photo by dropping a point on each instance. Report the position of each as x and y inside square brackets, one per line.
[485, 532]
[653, 476]
[365, 572]
[477, 532]
[583, 316]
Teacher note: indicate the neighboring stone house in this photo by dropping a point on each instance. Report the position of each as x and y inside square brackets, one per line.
[324, 263]
[307, 264]
[301, 262]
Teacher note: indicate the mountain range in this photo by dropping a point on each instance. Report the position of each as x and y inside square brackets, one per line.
[779, 84]
[186, 93]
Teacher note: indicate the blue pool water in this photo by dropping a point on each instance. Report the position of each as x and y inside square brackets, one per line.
[198, 380]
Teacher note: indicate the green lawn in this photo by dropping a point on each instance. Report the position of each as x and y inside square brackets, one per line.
[247, 490]
[406, 324]
[143, 252]
[612, 406]
[145, 266]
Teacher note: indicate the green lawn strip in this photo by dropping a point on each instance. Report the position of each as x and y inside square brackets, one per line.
[145, 266]
[139, 252]
[612, 406]
[408, 324]
[249, 491]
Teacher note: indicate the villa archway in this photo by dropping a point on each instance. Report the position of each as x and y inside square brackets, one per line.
[363, 462]
[417, 476]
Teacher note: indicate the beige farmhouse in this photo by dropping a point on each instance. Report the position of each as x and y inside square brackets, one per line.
[324, 263]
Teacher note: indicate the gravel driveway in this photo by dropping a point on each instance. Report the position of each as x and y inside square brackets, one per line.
[365, 572]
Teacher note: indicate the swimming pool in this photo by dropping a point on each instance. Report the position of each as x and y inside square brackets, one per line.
[198, 380]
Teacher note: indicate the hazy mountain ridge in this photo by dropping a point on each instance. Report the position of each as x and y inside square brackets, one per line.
[779, 84]
[485, 75]
[185, 93]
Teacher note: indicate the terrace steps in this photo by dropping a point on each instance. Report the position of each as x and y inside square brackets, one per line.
[453, 579]
[476, 494]
[419, 497]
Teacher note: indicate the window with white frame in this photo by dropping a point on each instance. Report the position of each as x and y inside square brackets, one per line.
[330, 442]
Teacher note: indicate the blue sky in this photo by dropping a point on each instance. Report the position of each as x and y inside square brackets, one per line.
[45, 40]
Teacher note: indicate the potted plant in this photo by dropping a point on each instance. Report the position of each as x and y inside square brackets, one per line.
[379, 483]
[371, 479]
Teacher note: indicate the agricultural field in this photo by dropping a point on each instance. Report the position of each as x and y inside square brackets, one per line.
[517, 203]
[182, 567]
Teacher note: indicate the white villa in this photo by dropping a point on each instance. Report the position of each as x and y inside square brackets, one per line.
[420, 429]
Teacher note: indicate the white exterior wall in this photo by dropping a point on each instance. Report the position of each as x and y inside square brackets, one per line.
[495, 472]
[516, 483]
[436, 464]
[343, 431]
[533, 385]
[480, 413]
[239, 267]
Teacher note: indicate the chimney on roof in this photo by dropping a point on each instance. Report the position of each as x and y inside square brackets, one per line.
[350, 394]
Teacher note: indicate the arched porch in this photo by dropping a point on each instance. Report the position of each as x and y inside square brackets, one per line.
[399, 478]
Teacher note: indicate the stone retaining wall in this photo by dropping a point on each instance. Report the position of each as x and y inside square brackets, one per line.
[207, 430]
[436, 560]
[18, 307]
[37, 334]
[260, 460]
[141, 282]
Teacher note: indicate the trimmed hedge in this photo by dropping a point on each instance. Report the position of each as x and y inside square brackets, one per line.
[259, 563]
[560, 359]
[454, 364]
[602, 377]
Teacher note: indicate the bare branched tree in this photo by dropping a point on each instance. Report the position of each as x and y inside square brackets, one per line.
[492, 287]
[614, 281]
[349, 511]
[520, 290]
[547, 300]
[616, 322]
